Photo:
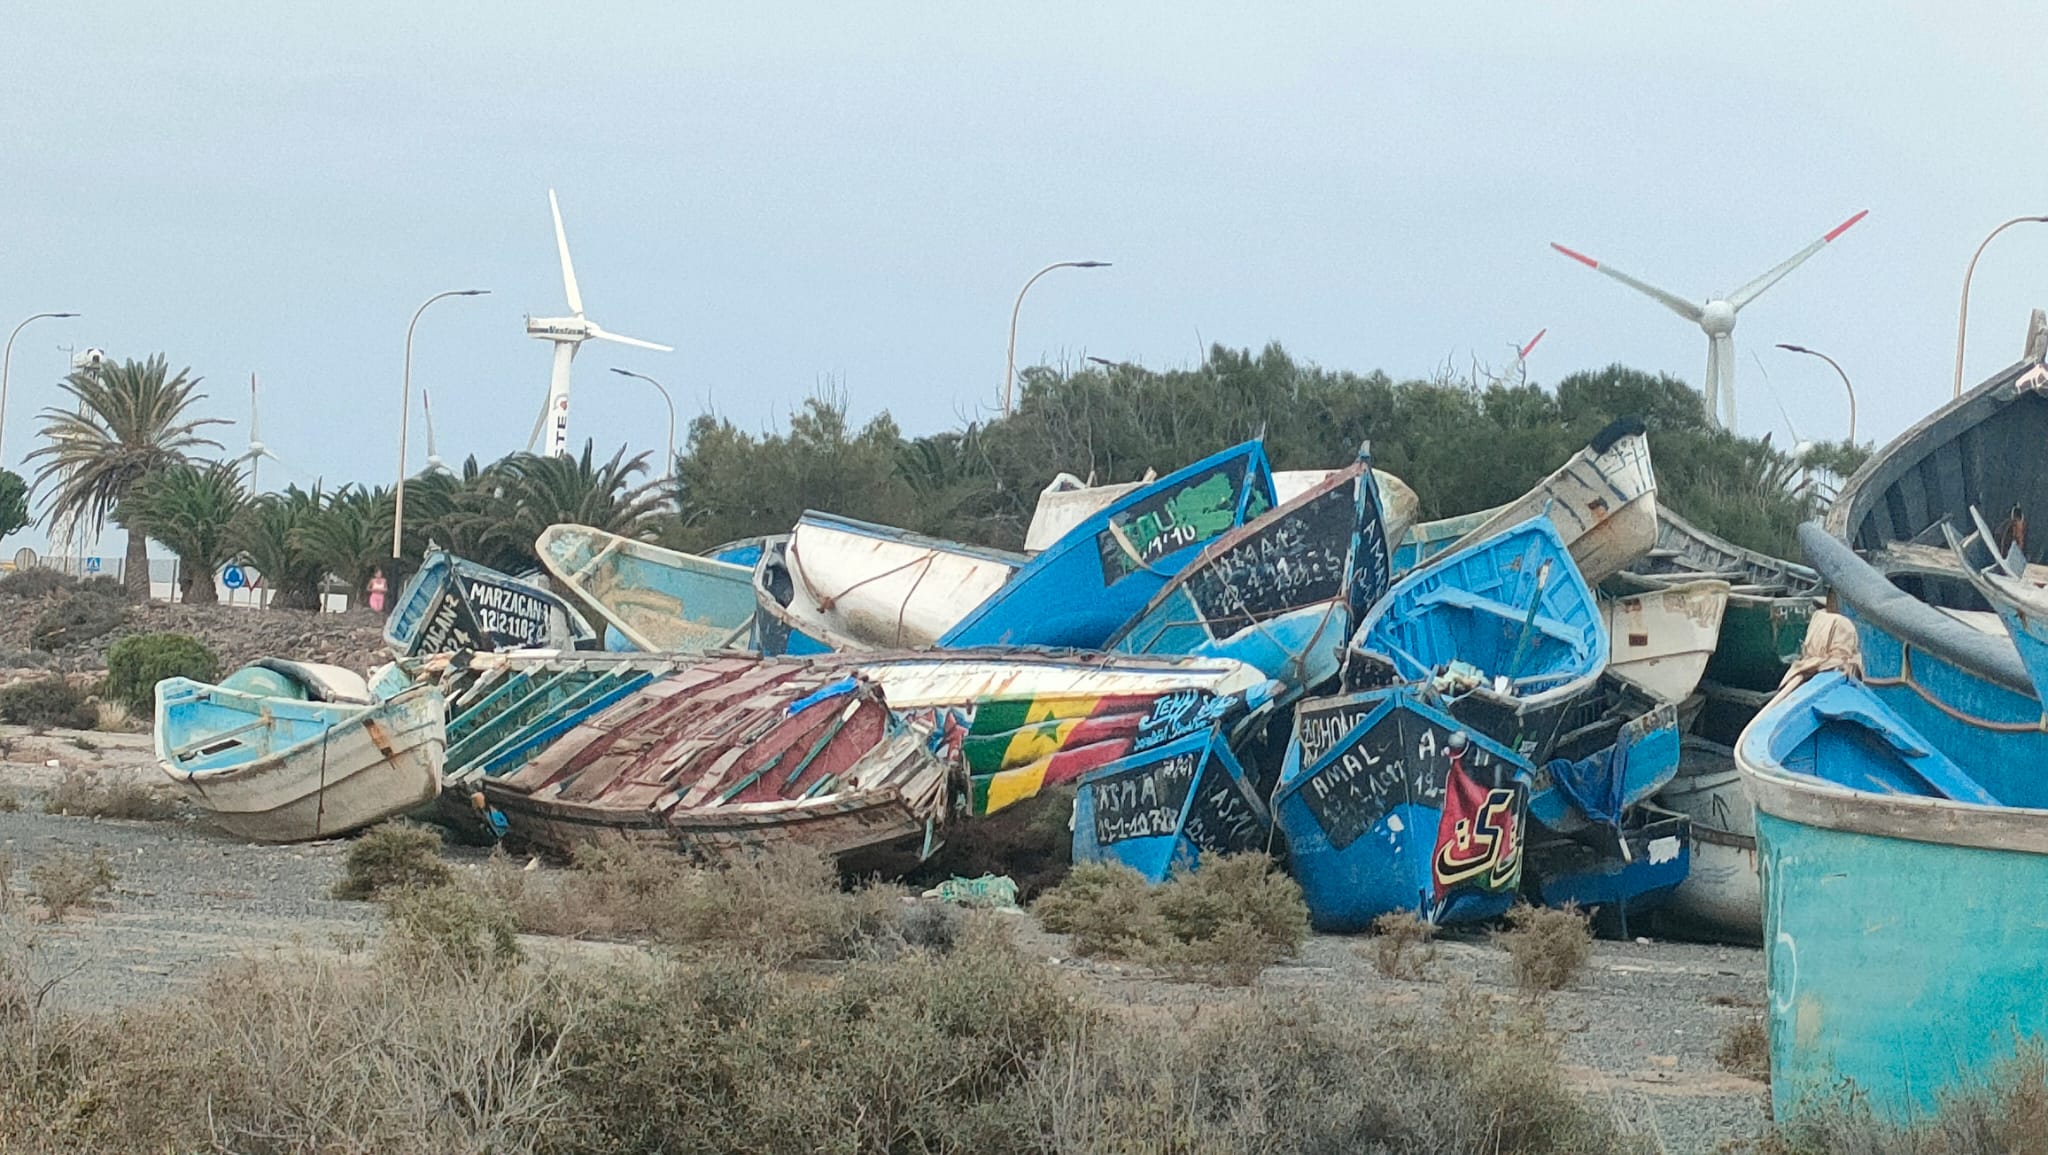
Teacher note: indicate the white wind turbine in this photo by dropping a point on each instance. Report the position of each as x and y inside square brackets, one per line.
[1716, 317]
[567, 333]
[433, 456]
[257, 451]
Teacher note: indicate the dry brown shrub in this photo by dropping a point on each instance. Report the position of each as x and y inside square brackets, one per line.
[1549, 946]
[1224, 921]
[67, 879]
[10, 801]
[89, 794]
[1746, 1050]
[452, 927]
[393, 856]
[1107, 908]
[1403, 943]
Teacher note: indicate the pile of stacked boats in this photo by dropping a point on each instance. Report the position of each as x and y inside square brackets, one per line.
[1435, 717]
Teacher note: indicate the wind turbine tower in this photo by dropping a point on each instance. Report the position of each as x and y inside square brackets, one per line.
[567, 334]
[257, 451]
[434, 461]
[1716, 316]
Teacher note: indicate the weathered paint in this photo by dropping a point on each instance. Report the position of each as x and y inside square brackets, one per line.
[1661, 640]
[1898, 843]
[655, 600]
[1105, 570]
[1363, 812]
[452, 604]
[1603, 502]
[1160, 811]
[878, 587]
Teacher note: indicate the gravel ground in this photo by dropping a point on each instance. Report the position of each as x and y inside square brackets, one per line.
[1641, 1024]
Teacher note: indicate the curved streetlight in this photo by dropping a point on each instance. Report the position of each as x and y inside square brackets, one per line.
[1010, 370]
[7, 360]
[1963, 314]
[670, 401]
[405, 415]
[1838, 372]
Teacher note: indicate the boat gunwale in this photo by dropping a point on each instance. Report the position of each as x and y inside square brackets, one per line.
[272, 760]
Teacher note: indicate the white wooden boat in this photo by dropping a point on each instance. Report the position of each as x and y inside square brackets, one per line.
[1660, 641]
[877, 587]
[1603, 502]
[287, 751]
[1069, 501]
[1722, 898]
[656, 600]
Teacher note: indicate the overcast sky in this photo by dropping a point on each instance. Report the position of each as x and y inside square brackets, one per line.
[853, 193]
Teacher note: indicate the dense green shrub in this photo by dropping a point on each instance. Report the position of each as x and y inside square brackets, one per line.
[80, 617]
[395, 856]
[35, 582]
[135, 665]
[49, 701]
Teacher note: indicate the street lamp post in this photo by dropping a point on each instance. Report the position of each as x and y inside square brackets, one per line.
[405, 416]
[7, 360]
[1850, 389]
[1963, 313]
[1010, 371]
[670, 402]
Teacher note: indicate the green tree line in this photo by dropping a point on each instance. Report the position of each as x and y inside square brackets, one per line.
[126, 450]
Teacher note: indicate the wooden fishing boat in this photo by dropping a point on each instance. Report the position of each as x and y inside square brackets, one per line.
[452, 604]
[1160, 811]
[777, 629]
[873, 587]
[1721, 898]
[1981, 450]
[1019, 721]
[1068, 501]
[1617, 873]
[1898, 841]
[742, 551]
[733, 755]
[1603, 502]
[2013, 588]
[1505, 625]
[1105, 570]
[652, 599]
[1660, 641]
[287, 751]
[1617, 748]
[1426, 539]
[1281, 593]
[1388, 803]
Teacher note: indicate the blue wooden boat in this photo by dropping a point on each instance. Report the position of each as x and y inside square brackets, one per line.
[452, 604]
[652, 599]
[2012, 588]
[1158, 812]
[1427, 539]
[1108, 568]
[1614, 873]
[1901, 846]
[1607, 764]
[285, 751]
[1281, 593]
[744, 551]
[1388, 803]
[776, 629]
[1505, 628]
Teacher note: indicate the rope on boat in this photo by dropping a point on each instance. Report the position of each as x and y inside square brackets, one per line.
[826, 602]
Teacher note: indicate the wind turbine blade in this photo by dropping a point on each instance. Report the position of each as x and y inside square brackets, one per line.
[601, 335]
[562, 246]
[1671, 301]
[1523, 354]
[533, 438]
[427, 409]
[1721, 372]
[1754, 289]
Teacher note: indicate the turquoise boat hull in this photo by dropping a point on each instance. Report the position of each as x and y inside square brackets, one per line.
[1160, 811]
[1900, 846]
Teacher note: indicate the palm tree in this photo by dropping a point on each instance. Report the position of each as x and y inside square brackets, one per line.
[536, 492]
[270, 533]
[195, 510]
[349, 536]
[130, 420]
[462, 513]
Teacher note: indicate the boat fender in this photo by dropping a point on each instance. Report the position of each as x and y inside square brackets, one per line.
[1616, 429]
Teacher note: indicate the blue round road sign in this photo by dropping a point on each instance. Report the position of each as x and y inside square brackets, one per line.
[232, 578]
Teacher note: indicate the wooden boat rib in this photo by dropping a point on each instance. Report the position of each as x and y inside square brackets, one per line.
[731, 755]
[274, 764]
[1981, 450]
[656, 600]
[1603, 502]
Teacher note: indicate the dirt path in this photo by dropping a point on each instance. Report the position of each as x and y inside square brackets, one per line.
[1641, 1024]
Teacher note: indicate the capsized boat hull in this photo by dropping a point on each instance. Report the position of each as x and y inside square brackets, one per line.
[883, 588]
[1603, 502]
[1159, 812]
[281, 770]
[1068, 501]
[654, 600]
[1380, 816]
